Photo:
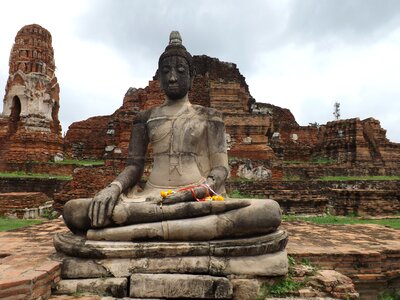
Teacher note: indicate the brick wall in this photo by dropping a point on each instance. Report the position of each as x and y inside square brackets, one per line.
[317, 197]
[46, 186]
[11, 203]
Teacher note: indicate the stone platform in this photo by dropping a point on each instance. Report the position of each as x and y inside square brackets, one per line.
[369, 254]
[167, 269]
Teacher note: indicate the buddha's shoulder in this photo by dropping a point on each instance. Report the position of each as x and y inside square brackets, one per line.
[208, 112]
[142, 116]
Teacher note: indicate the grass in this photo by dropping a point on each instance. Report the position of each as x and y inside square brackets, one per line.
[291, 178]
[314, 160]
[21, 174]
[238, 194]
[342, 220]
[9, 224]
[87, 162]
[322, 160]
[285, 286]
[395, 295]
[349, 178]
[293, 162]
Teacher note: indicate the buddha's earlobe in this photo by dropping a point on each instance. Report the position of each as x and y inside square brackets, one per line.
[191, 83]
[159, 80]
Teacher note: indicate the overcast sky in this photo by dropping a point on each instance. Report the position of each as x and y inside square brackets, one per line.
[303, 55]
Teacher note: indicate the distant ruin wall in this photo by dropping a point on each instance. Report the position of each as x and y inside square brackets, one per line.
[46, 186]
[318, 197]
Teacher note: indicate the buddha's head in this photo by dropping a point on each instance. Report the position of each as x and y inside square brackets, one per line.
[175, 68]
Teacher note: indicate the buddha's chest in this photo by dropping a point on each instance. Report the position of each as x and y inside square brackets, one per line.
[187, 133]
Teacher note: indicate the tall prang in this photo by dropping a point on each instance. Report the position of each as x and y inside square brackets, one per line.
[29, 126]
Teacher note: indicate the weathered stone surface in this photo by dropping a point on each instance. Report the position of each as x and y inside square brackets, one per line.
[73, 268]
[73, 245]
[180, 286]
[117, 287]
[182, 265]
[334, 284]
[274, 264]
[245, 289]
[271, 264]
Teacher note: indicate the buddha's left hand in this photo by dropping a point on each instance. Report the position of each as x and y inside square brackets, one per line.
[188, 194]
[177, 197]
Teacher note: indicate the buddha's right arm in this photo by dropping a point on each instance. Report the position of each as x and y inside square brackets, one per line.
[136, 154]
[103, 203]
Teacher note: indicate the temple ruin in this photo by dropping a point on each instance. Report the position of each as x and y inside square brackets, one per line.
[29, 125]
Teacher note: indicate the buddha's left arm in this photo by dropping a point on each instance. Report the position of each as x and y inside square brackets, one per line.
[217, 153]
[219, 169]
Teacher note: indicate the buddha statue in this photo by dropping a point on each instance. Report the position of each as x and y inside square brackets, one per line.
[190, 167]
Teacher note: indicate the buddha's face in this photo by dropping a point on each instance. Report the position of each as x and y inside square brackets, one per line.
[175, 77]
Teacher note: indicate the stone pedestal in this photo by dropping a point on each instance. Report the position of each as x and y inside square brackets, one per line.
[201, 270]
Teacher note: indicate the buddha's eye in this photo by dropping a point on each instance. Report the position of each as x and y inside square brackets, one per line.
[165, 70]
[181, 69]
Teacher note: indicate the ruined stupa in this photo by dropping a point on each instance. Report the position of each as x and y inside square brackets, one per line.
[29, 125]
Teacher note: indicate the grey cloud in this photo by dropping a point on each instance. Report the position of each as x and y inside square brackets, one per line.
[230, 30]
[234, 30]
[355, 21]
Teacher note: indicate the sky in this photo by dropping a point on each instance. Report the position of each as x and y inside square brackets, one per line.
[303, 55]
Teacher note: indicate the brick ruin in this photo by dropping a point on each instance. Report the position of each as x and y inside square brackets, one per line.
[358, 141]
[29, 125]
[353, 142]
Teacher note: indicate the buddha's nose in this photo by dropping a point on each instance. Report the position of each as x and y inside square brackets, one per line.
[173, 77]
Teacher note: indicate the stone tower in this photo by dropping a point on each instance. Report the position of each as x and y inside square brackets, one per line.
[29, 125]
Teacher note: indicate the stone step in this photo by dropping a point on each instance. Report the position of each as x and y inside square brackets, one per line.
[185, 286]
[116, 287]
[145, 286]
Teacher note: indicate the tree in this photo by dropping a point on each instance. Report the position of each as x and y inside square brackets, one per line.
[336, 110]
[314, 124]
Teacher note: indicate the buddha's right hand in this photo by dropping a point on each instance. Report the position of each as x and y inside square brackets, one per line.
[102, 206]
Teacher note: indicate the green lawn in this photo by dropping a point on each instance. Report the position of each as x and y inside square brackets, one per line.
[349, 178]
[20, 174]
[9, 224]
[87, 162]
[338, 220]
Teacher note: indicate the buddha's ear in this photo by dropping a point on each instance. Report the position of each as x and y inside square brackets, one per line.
[191, 82]
[192, 75]
[159, 79]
